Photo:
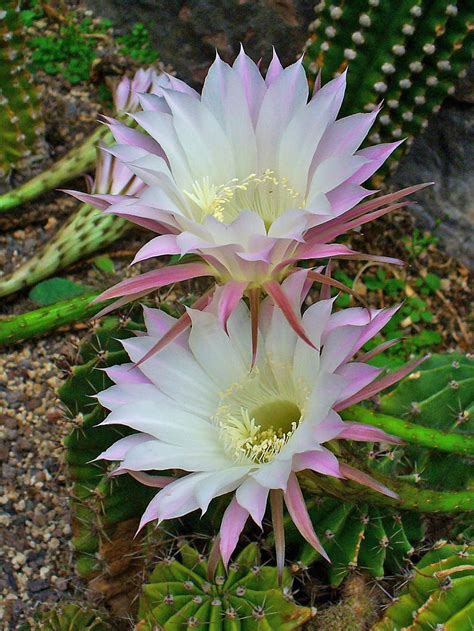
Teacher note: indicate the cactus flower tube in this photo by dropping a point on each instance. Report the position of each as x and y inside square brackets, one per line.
[198, 409]
[251, 176]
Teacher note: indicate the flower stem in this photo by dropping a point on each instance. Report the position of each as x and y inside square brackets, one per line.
[412, 433]
[45, 319]
[411, 497]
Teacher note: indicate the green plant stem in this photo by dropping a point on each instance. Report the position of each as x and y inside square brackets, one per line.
[412, 433]
[79, 160]
[410, 496]
[39, 321]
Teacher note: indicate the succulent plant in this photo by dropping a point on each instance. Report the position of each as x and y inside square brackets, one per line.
[439, 396]
[105, 510]
[86, 231]
[180, 594]
[72, 617]
[21, 123]
[439, 595]
[377, 540]
[82, 158]
[410, 55]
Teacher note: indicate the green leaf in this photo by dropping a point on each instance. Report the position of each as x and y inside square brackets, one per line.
[104, 264]
[54, 290]
[433, 281]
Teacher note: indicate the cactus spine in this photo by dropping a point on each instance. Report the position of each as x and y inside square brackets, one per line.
[21, 124]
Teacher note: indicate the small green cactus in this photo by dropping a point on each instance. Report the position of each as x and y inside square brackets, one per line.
[72, 617]
[21, 124]
[180, 594]
[409, 54]
[440, 594]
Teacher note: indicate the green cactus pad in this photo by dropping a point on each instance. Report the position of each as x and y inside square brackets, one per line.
[180, 595]
[439, 395]
[440, 594]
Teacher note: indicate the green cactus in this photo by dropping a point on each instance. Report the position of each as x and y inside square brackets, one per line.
[105, 510]
[439, 395]
[409, 54]
[440, 594]
[21, 125]
[180, 594]
[87, 230]
[377, 540]
[46, 319]
[72, 617]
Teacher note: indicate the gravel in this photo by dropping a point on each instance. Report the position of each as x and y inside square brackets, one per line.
[34, 515]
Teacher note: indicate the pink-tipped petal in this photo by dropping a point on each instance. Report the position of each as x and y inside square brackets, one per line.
[323, 461]
[366, 480]
[229, 298]
[233, 522]
[253, 497]
[367, 433]
[378, 349]
[119, 450]
[155, 481]
[156, 279]
[162, 245]
[376, 387]
[274, 290]
[299, 514]
[182, 324]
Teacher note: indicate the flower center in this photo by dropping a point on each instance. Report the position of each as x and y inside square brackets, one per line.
[265, 194]
[260, 435]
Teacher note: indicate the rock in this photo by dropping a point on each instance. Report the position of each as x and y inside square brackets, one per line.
[444, 154]
[187, 34]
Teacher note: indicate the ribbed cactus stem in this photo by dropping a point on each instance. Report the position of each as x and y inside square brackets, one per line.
[86, 231]
[21, 125]
[46, 319]
[408, 54]
[79, 160]
[411, 497]
[412, 433]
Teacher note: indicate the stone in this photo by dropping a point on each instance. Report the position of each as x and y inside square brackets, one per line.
[444, 154]
[187, 34]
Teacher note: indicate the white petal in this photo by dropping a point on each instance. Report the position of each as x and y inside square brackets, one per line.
[224, 95]
[157, 455]
[285, 97]
[162, 418]
[214, 350]
[332, 172]
[177, 373]
[218, 484]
